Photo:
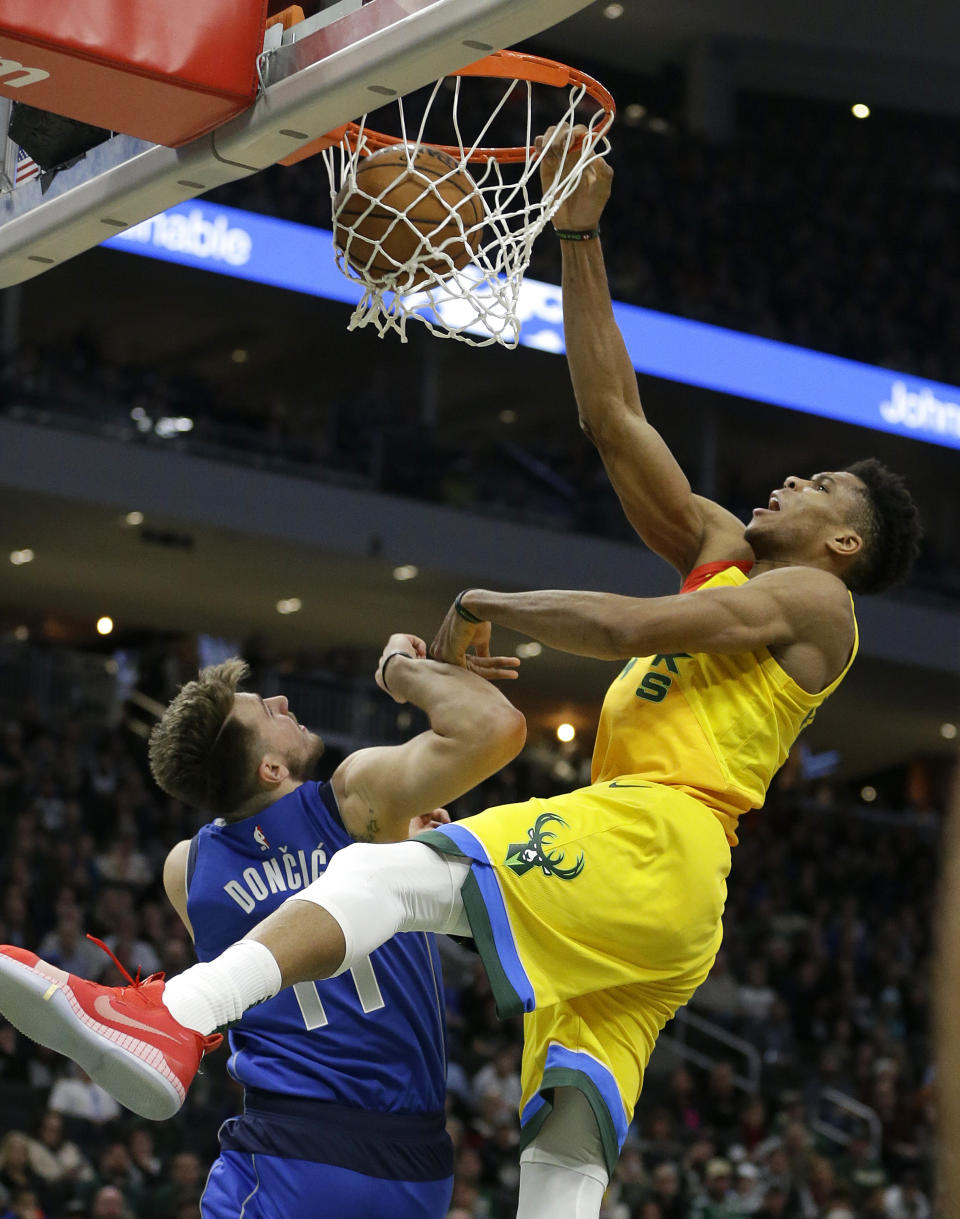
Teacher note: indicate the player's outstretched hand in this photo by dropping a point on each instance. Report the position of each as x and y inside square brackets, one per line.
[583, 209]
[428, 821]
[456, 636]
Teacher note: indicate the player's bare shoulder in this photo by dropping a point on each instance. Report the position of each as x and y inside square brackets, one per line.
[819, 609]
[175, 880]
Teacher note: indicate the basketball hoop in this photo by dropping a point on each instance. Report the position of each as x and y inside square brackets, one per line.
[477, 303]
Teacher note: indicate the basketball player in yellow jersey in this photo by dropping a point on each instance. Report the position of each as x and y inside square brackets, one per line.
[597, 913]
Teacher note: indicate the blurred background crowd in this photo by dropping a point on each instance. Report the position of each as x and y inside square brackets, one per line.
[798, 1087]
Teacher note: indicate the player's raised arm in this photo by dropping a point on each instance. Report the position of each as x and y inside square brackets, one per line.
[474, 731]
[681, 527]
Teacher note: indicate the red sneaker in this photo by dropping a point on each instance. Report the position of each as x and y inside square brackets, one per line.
[122, 1036]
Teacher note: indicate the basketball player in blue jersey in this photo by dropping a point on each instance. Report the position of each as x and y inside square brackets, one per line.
[344, 1080]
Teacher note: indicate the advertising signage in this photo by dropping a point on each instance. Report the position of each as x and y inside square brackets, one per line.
[300, 258]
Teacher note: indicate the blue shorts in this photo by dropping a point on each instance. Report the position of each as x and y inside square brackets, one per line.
[289, 1157]
[273, 1187]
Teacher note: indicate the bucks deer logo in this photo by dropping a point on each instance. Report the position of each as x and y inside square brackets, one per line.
[537, 853]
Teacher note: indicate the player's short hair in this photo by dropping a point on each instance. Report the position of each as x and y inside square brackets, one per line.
[198, 754]
[890, 527]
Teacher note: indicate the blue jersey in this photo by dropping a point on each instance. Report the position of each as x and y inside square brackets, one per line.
[373, 1038]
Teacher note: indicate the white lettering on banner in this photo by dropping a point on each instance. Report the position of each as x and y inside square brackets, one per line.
[921, 410]
[30, 75]
[192, 234]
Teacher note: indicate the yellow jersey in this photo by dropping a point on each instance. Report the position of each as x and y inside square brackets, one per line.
[717, 727]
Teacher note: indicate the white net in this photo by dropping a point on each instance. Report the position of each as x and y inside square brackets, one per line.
[460, 275]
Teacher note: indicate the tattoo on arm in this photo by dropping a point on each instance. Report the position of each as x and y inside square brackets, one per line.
[370, 830]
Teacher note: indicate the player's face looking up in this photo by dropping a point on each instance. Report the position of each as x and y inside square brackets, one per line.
[806, 516]
[281, 739]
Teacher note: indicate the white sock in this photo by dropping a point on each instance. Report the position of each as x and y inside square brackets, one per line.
[551, 1191]
[214, 993]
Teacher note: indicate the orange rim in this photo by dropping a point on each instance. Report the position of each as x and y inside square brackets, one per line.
[508, 65]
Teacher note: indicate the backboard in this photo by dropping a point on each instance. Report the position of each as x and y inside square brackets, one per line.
[315, 76]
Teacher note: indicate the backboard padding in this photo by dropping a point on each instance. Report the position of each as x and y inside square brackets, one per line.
[311, 84]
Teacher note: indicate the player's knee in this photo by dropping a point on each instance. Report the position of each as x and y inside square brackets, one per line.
[375, 890]
[356, 892]
[570, 1137]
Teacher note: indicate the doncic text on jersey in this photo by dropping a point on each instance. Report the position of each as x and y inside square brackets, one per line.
[285, 874]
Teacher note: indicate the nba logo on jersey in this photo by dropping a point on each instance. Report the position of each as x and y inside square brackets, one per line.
[260, 837]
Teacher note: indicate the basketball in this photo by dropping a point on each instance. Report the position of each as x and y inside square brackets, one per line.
[408, 209]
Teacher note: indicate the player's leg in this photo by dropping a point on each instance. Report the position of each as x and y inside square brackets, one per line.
[583, 1066]
[144, 1042]
[563, 1171]
[367, 894]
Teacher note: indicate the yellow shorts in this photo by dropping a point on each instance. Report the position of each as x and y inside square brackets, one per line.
[596, 913]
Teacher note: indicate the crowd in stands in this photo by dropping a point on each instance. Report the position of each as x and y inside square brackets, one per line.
[824, 972]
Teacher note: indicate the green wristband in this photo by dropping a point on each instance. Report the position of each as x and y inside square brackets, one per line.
[577, 234]
[463, 611]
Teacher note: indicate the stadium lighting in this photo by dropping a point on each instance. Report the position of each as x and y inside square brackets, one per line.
[104, 625]
[289, 605]
[860, 111]
[19, 557]
[406, 571]
[566, 733]
[526, 650]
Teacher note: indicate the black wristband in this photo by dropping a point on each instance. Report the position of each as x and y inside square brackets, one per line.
[463, 611]
[577, 234]
[383, 666]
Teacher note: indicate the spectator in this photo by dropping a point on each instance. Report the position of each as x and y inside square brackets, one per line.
[109, 1203]
[500, 1078]
[718, 1199]
[666, 1191]
[55, 1158]
[76, 1095]
[16, 1174]
[143, 1158]
[906, 1200]
[721, 1103]
[184, 1187]
[69, 949]
[719, 996]
[748, 1187]
[24, 1204]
